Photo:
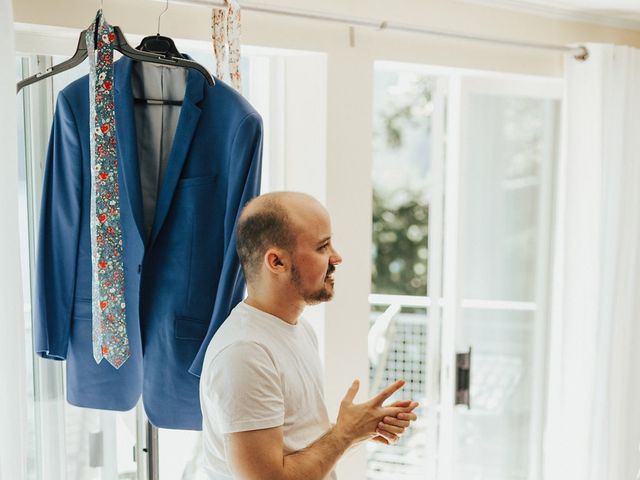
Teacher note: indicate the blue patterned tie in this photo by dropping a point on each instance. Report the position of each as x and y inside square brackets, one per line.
[109, 332]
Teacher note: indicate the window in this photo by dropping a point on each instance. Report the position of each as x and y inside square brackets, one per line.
[462, 193]
[63, 441]
[403, 122]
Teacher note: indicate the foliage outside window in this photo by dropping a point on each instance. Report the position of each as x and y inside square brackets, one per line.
[402, 129]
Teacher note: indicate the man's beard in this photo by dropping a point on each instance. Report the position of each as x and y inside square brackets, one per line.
[311, 297]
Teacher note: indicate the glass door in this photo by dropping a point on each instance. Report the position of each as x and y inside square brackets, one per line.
[502, 142]
[466, 263]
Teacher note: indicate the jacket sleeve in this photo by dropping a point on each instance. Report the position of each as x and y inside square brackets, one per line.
[58, 233]
[244, 184]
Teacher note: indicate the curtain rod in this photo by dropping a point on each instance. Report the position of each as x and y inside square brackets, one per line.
[579, 52]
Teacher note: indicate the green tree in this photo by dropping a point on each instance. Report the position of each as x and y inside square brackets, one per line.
[400, 246]
[401, 218]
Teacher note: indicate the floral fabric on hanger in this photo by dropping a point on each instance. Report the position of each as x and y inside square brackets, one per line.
[109, 332]
[225, 33]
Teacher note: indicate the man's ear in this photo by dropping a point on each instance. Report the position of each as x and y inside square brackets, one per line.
[276, 260]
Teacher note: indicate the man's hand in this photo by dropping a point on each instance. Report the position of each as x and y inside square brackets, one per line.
[361, 421]
[391, 428]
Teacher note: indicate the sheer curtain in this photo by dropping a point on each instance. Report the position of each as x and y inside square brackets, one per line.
[12, 373]
[593, 429]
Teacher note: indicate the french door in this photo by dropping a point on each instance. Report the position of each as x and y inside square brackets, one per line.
[486, 145]
[502, 142]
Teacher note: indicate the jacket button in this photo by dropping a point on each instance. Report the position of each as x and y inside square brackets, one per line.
[139, 268]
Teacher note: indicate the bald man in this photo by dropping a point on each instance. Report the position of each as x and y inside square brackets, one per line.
[261, 388]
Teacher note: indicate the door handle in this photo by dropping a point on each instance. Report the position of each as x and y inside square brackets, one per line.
[463, 378]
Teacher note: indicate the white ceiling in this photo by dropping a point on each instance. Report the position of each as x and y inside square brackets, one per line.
[622, 13]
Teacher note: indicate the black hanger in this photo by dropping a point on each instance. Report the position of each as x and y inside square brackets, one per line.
[120, 44]
[164, 46]
[77, 59]
[159, 44]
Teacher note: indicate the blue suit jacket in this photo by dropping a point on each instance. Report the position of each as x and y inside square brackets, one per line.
[181, 282]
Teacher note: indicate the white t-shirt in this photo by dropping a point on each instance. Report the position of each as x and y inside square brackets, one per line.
[260, 372]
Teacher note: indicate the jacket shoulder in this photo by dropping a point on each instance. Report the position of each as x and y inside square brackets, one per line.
[78, 90]
[222, 97]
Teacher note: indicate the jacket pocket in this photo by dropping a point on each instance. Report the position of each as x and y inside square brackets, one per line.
[188, 328]
[82, 309]
[196, 181]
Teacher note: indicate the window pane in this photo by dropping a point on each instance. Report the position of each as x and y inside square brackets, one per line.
[398, 337]
[24, 262]
[401, 165]
[398, 349]
[508, 149]
[493, 437]
[64, 441]
[508, 141]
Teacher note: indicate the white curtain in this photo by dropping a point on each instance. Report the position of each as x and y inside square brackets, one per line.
[593, 427]
[12, 355]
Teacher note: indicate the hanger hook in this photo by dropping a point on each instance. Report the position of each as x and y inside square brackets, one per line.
[166, 7]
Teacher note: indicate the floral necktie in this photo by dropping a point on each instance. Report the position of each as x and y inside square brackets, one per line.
[109, 332]
[225, 32]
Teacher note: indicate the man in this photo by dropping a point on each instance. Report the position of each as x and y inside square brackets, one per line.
[261, 390]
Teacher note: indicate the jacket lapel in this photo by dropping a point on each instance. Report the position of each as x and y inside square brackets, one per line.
[128, 150]
[187, 123]
[127, 146]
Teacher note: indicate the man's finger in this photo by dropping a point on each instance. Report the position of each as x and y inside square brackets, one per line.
[407, 416]
[387, 392]
[390, 428]
[351, 393]
[406, 409]
[380, 439]
[396, 422]
[388, 436]
[409, 404]
[395, 411]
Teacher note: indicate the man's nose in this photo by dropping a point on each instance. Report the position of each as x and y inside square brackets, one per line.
[335, 259]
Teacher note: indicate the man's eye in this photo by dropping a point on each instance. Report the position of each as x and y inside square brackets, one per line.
[323, 247]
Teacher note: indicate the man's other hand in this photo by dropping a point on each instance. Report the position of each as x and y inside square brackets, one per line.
[360, 421]
[391, 428]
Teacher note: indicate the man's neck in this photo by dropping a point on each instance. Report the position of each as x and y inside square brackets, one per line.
[287, 312]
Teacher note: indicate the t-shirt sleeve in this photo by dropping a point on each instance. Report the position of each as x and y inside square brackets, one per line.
[243, 390]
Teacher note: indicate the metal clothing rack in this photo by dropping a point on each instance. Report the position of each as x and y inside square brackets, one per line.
[579, 52]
